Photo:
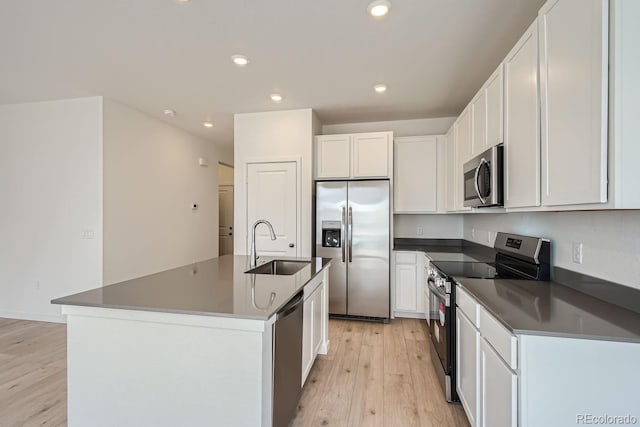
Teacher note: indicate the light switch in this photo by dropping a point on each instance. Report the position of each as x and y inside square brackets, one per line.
[87, 234]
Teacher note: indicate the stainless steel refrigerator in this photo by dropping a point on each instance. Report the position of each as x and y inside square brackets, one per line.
[352, 226]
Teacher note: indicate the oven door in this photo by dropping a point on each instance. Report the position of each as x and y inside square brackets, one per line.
[440, 322]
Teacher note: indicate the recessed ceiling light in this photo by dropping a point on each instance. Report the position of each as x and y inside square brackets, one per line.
[240, 60]
[208, 124]
[380, 88]
[182, 1]
[379, 8]
[169, 112]
[276, 97]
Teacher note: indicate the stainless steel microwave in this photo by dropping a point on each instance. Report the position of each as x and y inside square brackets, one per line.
[482, 177]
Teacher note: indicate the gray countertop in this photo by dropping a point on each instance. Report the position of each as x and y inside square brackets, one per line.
[549, 308]
[578, 307]
[216, 287]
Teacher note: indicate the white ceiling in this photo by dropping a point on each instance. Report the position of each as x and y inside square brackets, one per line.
[323, 54]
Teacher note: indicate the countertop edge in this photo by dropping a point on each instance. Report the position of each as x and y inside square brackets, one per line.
[516, 331]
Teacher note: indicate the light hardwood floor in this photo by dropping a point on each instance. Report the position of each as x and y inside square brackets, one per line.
[374, 375]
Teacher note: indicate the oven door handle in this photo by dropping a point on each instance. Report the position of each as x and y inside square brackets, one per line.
[475, 180]
[438, 292]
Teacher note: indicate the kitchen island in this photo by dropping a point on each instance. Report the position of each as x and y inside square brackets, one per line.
[188, 346]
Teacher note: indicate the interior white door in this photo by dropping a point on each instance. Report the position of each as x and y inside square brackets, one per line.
[272, 195]
[225, 219]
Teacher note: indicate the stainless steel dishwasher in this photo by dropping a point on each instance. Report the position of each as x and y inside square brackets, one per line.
[287, 361]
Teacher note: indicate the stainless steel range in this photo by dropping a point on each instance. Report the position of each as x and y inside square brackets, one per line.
[517, 257]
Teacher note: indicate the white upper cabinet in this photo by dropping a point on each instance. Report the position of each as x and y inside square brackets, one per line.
[463, 154]
[487, 114]
[370, 155]
[478, 123]
[522, 123]
[333, 156]
[450, 186]
[495, 108]
[415, 184]
[573, 40]
[362, 155]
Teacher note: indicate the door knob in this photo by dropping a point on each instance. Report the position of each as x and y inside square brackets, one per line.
[292, 245]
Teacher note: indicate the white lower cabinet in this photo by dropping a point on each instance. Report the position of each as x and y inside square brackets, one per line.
[314, 325]
[499, 389]
[408, 279]
[467, 366]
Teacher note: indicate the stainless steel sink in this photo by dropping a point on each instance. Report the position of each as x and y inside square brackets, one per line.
[279, 267]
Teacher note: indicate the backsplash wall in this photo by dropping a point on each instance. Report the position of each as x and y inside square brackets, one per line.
[433, 226]
[610, 239]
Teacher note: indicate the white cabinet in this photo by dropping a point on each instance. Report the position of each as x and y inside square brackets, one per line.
[499, 389]
[487, 114]
[333, 156]
[478, 123]
[467, 366]
[450, 185]
[573, 44]
[463, 154]
[315, 323]
[408, 280]
[522, 123]
[362, 155]
[415, 184]
[494, 89]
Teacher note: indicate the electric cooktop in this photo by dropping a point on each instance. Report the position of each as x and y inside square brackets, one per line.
[475, 270]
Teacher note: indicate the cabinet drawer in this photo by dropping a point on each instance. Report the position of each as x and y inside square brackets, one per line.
[406, 258]
[505, 344]
[468, 306]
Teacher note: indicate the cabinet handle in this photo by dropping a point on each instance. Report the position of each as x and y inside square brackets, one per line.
[292, 245]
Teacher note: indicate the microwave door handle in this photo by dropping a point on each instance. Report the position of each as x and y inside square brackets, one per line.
[344, 215]
[475, 181]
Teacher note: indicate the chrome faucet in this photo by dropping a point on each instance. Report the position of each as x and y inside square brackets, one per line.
[254, 255]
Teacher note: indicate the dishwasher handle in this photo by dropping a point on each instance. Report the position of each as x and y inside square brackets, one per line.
[291, 306]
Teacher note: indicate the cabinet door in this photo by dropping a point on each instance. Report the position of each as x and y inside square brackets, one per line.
[307, 337]
[317, 320]
[415, 170]
[463, 153]
[467, 366]
[478, 123]
[499, 390]
[332, 156]
[495, 108]
[573, 39]
[522, 130]
[451, 170]
[370, 155]
[406, 287]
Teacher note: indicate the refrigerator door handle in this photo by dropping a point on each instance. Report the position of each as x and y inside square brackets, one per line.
[350, 226]
[342, 230]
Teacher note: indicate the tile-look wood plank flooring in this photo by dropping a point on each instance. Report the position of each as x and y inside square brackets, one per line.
[374, 375]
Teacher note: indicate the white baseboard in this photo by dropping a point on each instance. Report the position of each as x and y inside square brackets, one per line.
[38, 317]
[408, 314]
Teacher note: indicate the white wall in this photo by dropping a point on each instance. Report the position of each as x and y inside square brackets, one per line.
[268, 136]
[151, 179]
[416, 127]
[50, 191]
[611, 239]
[447, 226]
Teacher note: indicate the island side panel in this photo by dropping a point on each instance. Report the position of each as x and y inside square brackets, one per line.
[564, 380]
[128, 372]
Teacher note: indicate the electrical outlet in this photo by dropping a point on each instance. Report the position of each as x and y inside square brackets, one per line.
[577, 253]
[419, 231]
